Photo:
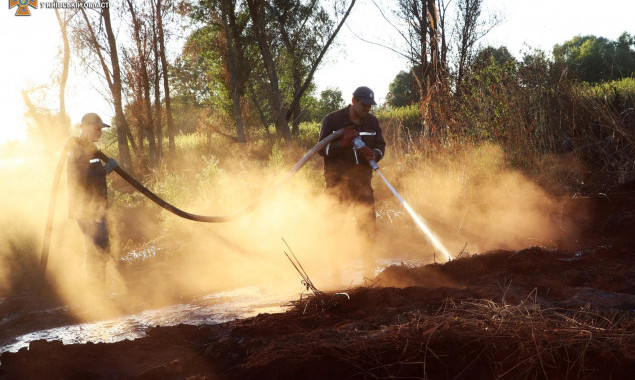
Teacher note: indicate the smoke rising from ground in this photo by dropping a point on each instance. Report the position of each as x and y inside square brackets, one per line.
[24, 179]
[472, 199]
[190, 258]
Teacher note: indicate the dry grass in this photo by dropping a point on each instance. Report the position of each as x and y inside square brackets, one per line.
[481, 338]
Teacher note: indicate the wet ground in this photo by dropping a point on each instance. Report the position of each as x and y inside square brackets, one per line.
[565, 312]
[58, 323]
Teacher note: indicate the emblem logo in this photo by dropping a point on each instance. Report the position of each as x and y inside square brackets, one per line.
[23, 6]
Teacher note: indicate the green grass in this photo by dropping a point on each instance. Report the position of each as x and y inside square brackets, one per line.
[618, 93]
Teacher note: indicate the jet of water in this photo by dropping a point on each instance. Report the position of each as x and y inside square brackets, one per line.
[419, 221]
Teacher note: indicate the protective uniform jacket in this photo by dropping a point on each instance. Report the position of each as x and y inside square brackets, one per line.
[88, 197]
[341, 167]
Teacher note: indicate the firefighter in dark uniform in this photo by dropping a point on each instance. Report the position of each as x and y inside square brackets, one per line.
[346, 170]
[88, 199]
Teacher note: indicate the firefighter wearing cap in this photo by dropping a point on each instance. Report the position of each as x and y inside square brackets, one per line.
[346, 172]
[88, 199]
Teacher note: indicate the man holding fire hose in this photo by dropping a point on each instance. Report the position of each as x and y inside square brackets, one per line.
[346, 165]
[88, 199]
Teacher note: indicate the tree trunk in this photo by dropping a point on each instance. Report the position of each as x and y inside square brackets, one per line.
[423, 74]
[147, 123]
[296, 66]
[469, 11]
[295, 111]
[122, 124]
[226, 13]
[307, 81]
[157, 87]
[166, 84]
[441, 8]
[261, 113]
[256, 11]
[64, 77]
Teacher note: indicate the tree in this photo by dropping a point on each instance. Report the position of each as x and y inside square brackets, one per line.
[625, 54]
[44, 123]
[132, 67]
[423, 41]
[596, 59]
[301, 29]
[232, 30]
[156, 15]
[166, 78]
[490, 54]
[195, 79]
[257, 13]
[330, 100]
[471, 27]
[63, 23]
[223, 41]
[115, 85]
[295, 28]
[95, 36]
[422, 27]
[139, 76]
[404, 90]
[423, 30]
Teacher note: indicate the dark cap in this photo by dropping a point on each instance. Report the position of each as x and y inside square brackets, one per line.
[93, 119]
[366, 95]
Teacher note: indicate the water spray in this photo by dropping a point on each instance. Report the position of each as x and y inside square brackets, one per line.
[419, 221]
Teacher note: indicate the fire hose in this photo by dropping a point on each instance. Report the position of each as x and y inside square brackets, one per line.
[357, 144]
[162, 203]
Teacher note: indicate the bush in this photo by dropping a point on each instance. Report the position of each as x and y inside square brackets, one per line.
[407, 117]
[619, 94]
[534, 113]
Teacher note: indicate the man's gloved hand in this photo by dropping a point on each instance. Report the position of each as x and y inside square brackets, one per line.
[378, 155]
[111, 165]
[367, 153]
[349, 134]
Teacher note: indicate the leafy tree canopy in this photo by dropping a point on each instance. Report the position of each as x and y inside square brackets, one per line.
[598, 59]
[403, 90]
[488, 55]
[330, 100]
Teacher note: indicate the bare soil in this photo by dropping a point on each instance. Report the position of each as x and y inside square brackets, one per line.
[563, 313]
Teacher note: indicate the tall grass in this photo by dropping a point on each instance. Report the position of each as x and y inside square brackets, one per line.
[538, 116]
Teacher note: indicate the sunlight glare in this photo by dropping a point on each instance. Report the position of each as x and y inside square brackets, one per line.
[27, 58]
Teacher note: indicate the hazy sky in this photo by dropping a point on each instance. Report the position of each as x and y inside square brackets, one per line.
[29, 49]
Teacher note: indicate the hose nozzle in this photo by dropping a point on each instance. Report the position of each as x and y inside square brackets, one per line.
[359, 144]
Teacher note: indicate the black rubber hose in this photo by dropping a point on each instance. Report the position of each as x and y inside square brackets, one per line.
[156, 199]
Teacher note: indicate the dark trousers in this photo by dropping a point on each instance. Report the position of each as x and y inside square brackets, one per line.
[360, 195]
[97, 245]
[355, 193]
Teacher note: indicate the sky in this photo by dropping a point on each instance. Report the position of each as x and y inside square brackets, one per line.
[29, 50]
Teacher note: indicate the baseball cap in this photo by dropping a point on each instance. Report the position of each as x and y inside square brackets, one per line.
[366, 95]
[93, 119]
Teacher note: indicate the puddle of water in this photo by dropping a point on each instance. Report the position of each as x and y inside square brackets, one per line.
[211, 309]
